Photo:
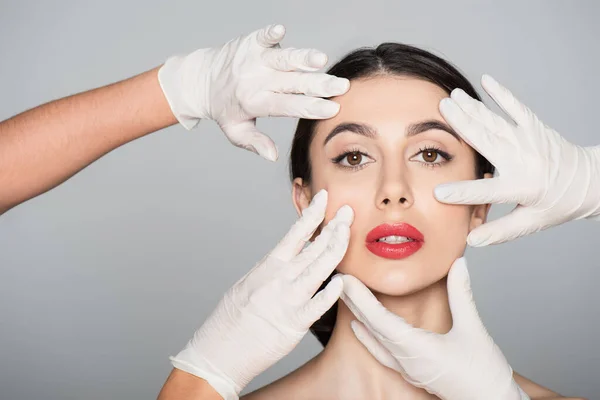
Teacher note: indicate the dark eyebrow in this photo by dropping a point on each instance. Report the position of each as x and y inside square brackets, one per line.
[370, 132]
[359, 129]
[423, 126]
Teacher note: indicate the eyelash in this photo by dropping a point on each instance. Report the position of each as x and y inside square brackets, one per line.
[337, 160]
[447, 157]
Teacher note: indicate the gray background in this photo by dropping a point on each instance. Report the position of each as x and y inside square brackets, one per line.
[106, 276]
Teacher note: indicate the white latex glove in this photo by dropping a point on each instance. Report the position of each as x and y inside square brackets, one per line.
[462, 364]
[268, 311]
[247, 78]
[552, 181]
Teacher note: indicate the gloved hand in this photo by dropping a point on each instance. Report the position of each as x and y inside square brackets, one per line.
[462, 364]
[250, 77]
[268, 311]
[552, 181]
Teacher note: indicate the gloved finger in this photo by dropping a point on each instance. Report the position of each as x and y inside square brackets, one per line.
[291, 59]
[477, 110]
[517, 223]
[473, 132]
[245, 135]
[301, 106]
[313, 276]
[518, 111]
[303, 228]
[407, 340]
[594, 218]
[310, 84]
[270, 35]
[460, 297]
[373, 345]
[478, 191]
[344, 215]
[312, 251]
[372, 313]
[323, 301]
[384, 356]
[353, 309]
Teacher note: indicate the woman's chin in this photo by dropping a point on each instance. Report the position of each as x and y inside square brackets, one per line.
[395, 290]
[389, 281]
[391, 284]
[395, 277]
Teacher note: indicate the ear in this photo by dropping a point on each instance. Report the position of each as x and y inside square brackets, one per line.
[301, 195]
[480, 212]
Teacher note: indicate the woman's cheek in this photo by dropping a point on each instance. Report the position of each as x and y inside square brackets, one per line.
[338, 196]
[450, 226]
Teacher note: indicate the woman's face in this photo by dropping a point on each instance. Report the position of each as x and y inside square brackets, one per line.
[383, 154]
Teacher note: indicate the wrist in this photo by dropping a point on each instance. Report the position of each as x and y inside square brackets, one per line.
[182, 386]
[592, 161]
[183, 80]
[192, 363]
[514, 392]
[524, 396]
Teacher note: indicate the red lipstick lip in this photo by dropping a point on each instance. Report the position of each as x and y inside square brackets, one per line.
[390, 250]
[401, 229]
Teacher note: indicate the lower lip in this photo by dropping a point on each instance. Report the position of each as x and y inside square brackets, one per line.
[394, 251]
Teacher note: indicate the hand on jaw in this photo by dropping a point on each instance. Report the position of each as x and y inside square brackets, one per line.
[269, 310]
[464, 363]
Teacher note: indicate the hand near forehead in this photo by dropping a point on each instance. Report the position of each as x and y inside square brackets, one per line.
[247, 78]
[551, 180]
[232, 84]
[463, 364]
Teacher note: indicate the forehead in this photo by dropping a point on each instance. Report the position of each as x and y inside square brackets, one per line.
[394, 100]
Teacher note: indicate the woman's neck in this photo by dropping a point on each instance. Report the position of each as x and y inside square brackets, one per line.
[349, 370]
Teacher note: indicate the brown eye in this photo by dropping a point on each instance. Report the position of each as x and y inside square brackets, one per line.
[354, 158]
[430, 156]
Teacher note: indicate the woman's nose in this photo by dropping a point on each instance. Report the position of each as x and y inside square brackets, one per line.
[402, 200]
[394, 190]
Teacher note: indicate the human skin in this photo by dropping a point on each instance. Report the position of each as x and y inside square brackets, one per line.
[183, 386]
[393, 184]
[43, 147]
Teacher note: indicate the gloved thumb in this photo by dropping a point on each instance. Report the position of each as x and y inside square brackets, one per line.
[270, 35]
[247, 136]
[479, 191]
[511, 226]
[460, 296]
[373, 345]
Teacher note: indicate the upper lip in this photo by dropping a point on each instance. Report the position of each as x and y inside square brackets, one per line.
[397, 229]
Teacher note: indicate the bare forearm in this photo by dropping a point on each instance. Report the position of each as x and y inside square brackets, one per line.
[43, 147]
[183, 386]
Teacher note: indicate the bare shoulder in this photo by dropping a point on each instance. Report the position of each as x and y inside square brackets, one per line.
[280, 389]
[294, 386]
[268, 392]
[539, 392]
[259, 394]
[288, 387]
